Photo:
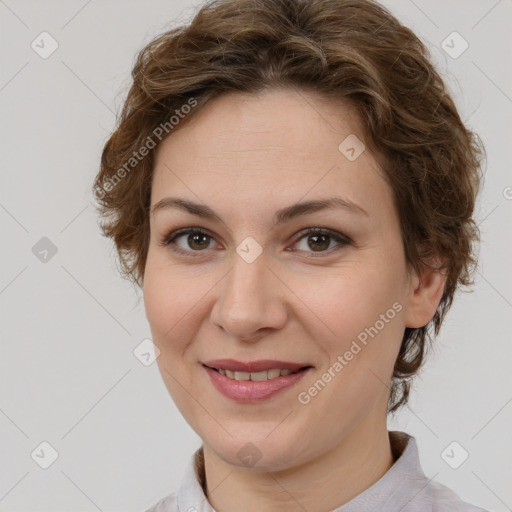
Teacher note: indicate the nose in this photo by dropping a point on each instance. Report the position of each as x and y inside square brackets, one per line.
[251, 300]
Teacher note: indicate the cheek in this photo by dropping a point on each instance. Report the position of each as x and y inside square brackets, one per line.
[165, 298]
[351, 299]
[159, 312]
[176, 302]
[166, 305]
[360, 309]
[366, 318]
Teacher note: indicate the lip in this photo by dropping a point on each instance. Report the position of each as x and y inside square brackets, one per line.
[253, 366]
[248, 391]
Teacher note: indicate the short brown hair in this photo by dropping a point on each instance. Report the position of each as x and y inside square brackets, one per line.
[351, 49]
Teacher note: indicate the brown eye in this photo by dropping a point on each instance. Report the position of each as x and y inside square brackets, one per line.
[196, 240]
[319, 240]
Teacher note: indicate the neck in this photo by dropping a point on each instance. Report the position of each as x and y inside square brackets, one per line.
[322, 484]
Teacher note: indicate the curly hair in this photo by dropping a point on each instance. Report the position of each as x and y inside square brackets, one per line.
[351, 49]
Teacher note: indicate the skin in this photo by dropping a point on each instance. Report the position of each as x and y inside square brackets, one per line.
[246, 156]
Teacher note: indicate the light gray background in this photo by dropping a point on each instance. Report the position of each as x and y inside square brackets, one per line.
[68, 328]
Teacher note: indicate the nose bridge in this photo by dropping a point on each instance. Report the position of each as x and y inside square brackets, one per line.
[248, 301]
[246, 286]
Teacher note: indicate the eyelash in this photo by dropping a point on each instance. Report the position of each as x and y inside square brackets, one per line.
[337, 237]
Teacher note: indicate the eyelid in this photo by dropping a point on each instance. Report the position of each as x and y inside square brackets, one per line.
[324, 231]
[342, 240]
[170, 237]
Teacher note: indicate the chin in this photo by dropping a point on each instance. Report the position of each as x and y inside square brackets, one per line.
[258, 453]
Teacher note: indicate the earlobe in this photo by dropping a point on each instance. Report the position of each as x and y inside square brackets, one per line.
[425, 295]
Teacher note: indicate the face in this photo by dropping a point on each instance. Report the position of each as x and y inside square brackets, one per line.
[252, 286]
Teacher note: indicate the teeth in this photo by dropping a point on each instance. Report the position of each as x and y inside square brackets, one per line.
[272, 374]
[263, 375]
[255, 376]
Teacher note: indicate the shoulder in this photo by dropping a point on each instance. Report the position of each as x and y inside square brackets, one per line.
[167, 504]
[446, 500]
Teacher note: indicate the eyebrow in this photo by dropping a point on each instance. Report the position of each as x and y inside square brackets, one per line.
[281, 216]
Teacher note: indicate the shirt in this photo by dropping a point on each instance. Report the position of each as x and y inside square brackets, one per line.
[404, 487]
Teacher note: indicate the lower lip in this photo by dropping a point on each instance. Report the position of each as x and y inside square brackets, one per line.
[248, 391]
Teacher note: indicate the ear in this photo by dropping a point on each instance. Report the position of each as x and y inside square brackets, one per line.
[425, 292]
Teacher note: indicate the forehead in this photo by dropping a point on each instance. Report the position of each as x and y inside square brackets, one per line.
[280, 119]
[280, 145]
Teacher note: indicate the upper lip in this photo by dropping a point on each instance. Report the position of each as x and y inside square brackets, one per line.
[253, 366]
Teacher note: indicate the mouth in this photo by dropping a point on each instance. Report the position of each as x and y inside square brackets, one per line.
[255, 381]
[255, 387]
[260, 376]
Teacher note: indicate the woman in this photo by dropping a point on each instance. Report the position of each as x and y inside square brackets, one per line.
[292, 187]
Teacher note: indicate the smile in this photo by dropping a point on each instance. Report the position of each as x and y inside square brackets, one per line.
[255, 376]
[254, 387]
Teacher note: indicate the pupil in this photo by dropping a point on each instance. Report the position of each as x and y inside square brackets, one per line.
[320, 236]
[194, 237]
